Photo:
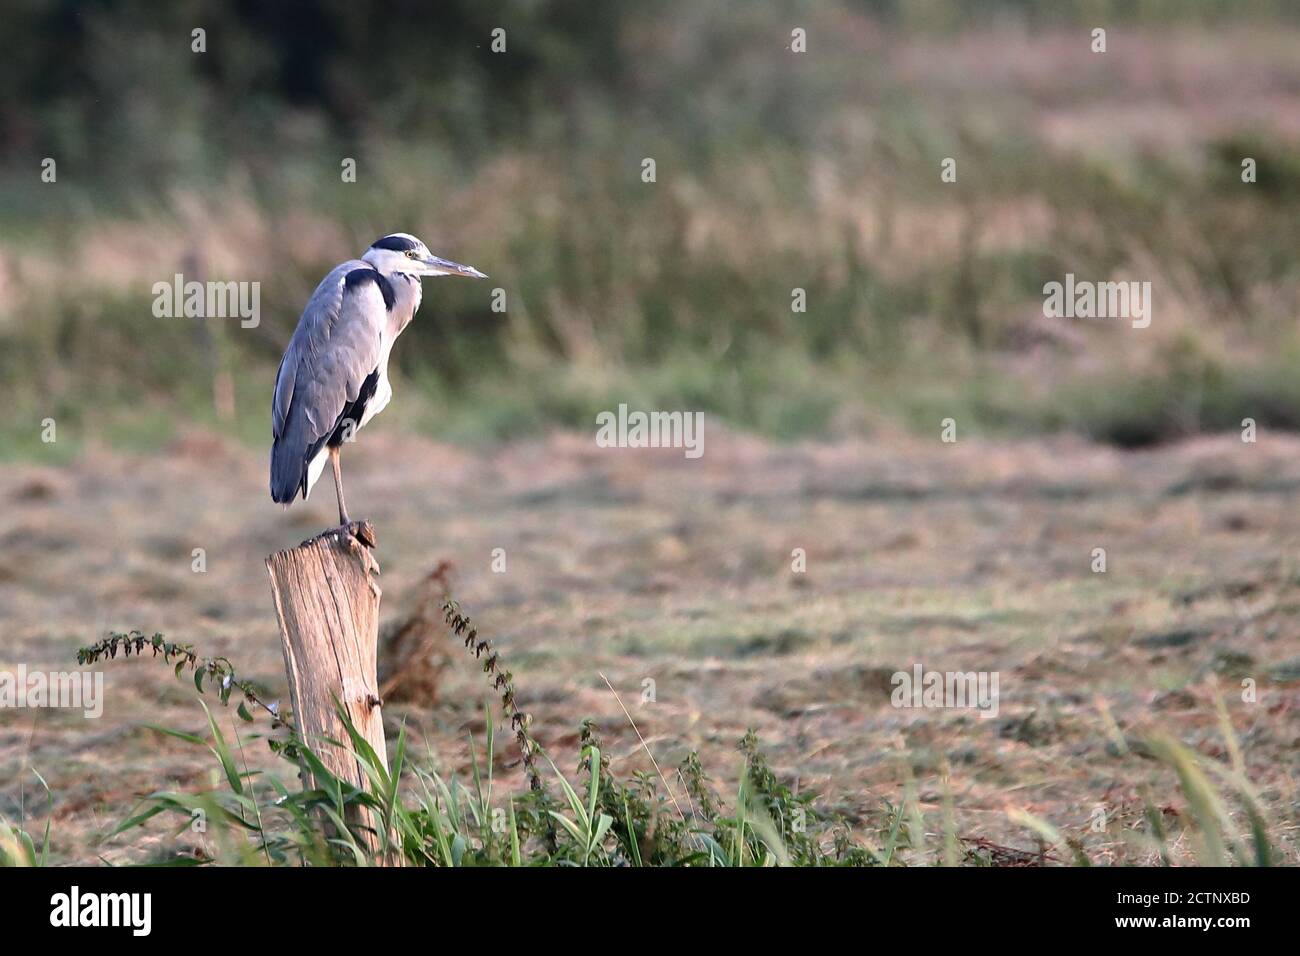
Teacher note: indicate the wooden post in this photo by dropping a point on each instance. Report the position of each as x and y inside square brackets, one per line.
[327, 601]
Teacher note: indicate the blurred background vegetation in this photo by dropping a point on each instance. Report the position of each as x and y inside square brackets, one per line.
[775, 170]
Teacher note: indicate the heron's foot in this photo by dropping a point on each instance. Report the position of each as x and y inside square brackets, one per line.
[363, 531]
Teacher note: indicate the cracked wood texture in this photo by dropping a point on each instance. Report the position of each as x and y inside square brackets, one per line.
[327, 600]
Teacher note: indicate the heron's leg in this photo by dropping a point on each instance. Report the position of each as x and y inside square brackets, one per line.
[338, 484]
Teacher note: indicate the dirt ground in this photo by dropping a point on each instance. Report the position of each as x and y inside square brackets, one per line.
[642, 565]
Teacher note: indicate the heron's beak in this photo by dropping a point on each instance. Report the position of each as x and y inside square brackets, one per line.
[445, 267]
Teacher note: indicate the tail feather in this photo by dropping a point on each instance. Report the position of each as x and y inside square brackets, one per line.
[288, 467]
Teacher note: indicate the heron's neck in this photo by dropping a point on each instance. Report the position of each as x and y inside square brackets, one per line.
[406, 299]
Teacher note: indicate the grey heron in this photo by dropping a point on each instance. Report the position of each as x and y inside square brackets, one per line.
[334, 374]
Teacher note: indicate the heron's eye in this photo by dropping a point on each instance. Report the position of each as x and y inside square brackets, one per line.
[411, 254]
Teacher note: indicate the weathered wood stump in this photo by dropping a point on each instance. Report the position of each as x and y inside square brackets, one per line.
[327, 600]
[413, 649]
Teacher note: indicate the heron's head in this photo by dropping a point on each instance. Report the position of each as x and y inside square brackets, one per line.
[403, 253]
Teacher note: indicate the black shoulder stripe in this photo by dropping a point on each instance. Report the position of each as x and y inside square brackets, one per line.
[356, 277]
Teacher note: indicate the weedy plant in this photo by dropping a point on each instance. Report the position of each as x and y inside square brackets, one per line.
[423, 817]
[17, 848]
[432, 819]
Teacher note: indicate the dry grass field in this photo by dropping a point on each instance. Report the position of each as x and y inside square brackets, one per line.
[969, 556]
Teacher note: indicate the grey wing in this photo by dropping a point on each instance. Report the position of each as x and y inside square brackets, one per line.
[335, 347]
